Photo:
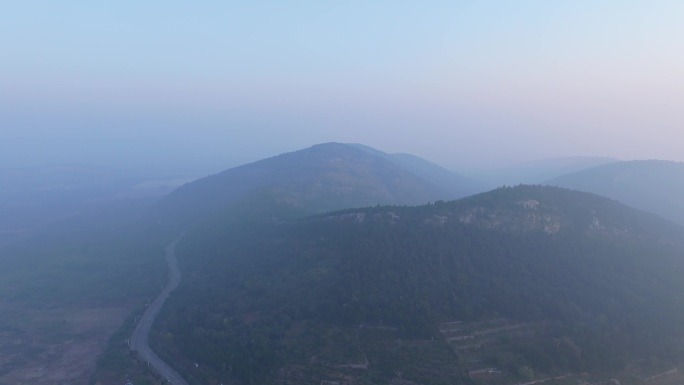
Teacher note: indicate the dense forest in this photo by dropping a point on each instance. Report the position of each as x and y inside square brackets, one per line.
[589, 284]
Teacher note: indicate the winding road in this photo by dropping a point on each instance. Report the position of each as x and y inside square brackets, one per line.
[139, 339]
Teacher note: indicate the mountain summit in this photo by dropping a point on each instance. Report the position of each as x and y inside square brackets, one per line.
[321, 178]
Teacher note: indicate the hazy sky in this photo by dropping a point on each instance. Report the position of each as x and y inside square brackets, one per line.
[462, 83]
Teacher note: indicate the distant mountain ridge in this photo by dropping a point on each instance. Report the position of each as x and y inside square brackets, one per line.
[321, 178]
[656, 186]
[35, 197]
[539, 171]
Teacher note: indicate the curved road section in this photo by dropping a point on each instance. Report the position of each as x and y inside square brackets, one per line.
[139, 339]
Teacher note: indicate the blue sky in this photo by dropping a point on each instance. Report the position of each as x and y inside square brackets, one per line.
[463, 83]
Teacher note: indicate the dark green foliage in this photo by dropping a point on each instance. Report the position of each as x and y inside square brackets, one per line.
[603, 281]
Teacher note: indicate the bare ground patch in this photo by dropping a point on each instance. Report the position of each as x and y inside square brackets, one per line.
[54, 346]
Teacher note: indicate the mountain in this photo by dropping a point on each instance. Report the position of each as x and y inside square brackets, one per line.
[438, 175]
[651, 185]
[539, 171]
[320, 178]
[516, 284]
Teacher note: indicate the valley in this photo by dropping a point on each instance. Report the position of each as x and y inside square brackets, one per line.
[342, 264]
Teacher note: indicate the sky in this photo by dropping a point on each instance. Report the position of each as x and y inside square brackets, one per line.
[466, 84]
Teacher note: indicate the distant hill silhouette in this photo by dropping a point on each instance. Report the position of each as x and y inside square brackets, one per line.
[32, 198]
[321, 178]
[651, 185]
[539, 171]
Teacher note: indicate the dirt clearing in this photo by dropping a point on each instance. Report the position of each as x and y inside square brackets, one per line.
[54, 346]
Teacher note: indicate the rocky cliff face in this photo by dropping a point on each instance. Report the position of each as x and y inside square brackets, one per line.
[529, 209]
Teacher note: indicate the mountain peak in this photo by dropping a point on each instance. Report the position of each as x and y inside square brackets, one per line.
[323, 177]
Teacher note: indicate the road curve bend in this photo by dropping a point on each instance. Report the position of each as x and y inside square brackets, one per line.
[139, 339]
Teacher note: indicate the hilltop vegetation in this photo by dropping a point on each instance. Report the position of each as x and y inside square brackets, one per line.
[599, 281]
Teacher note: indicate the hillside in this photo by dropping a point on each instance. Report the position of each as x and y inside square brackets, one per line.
[321, 178]
[438, 175]
[532, 281]
[650, 185]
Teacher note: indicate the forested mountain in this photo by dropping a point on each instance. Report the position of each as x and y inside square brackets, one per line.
[651, 185]
[320, 178]
[438, 175]
[531, 281]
